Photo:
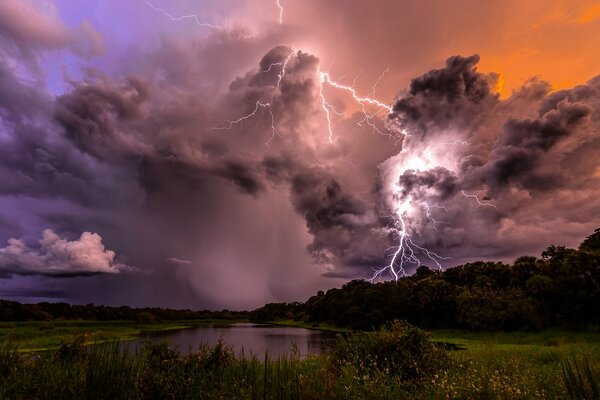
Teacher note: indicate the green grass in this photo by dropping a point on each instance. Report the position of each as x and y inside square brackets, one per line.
[37, 336]
[547, 338]
[519, 365]
[311, 325]
[501, 365]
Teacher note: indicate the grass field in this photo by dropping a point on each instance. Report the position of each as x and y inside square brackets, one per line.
[519, 365]
[36, 335]
[310, 325]
[502, 365]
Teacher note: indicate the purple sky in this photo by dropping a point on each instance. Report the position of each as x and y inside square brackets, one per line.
[205, 154]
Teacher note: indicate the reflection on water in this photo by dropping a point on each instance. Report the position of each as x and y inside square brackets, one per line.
[254, 339]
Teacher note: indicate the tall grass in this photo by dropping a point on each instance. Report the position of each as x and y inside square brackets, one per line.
[579, 379]
[400, 363]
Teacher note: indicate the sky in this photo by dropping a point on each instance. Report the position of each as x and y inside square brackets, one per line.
[214, 154]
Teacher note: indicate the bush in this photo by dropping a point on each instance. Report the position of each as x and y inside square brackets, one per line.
[400, 350]
[72, 349]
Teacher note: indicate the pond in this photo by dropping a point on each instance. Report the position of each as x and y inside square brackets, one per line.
[253, 339]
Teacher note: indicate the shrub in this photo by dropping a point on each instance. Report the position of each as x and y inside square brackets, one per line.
[72, 349]
[400, 350]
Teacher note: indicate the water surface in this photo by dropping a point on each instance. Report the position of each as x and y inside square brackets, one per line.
[254, 339]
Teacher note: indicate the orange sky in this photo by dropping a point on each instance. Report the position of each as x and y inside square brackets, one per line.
[556, 40]
[562, 45]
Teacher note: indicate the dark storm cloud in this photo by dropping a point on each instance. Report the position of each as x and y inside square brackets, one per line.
[35, 159]
[243, 176]
[97, 115]
[513, 159]
[20, 293]
[506, 151]
[441, 180]
[156, 172]
[184, 169]
[519, 156]
[270, 67]
[338, 221]
[454, 96]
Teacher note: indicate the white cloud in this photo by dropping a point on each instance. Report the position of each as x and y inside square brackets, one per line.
[57, 256]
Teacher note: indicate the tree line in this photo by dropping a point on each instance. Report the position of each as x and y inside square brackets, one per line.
[15, 311]
[560, 289]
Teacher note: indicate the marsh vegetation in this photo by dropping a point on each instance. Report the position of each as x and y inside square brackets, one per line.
[398, 362]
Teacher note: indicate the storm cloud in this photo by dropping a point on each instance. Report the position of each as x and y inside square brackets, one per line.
[510, 159]
[207, 168]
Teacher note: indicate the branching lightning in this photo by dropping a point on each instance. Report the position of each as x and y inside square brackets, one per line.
[283, 67]
[404, 209]
[193, 17]
[325, 78]
[259, 105]
[479, 202]
[428, 215]
[232, 123]
[406, 252]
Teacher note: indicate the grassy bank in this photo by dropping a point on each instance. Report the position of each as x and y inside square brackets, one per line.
[42, 335]
[311, 325]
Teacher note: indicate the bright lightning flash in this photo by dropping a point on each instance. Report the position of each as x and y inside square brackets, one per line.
[325, 78]
[404, 208]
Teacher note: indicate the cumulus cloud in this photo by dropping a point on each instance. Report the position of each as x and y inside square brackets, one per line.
[59, 257]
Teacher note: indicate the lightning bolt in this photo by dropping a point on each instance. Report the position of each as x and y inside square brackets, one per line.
[258, 105]
[280, 11]
[406, 251]
[325, 78]
[374, 88]
[245, 117]
[193, 17]
[283, 66]
[363, 101]
[428, 215]
[479, 202]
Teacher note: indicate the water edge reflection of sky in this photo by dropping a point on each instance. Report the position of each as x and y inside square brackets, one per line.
[253, 339]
